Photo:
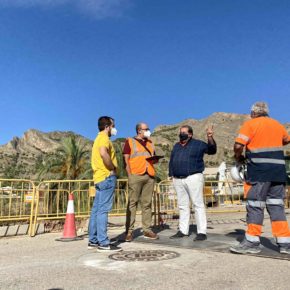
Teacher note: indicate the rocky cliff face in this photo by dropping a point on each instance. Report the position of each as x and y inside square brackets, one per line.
[21, 156]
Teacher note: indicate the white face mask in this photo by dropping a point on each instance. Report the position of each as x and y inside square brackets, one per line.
[147, 134]
[114, 131]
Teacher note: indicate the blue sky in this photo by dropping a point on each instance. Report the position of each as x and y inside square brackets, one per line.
[64, 63]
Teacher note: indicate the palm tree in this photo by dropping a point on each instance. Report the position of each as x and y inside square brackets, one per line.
[118, 146]
[70, 161]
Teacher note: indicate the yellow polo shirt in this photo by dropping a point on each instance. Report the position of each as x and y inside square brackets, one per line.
[99, 169]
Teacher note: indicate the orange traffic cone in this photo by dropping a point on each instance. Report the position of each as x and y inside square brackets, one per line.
[69, 230]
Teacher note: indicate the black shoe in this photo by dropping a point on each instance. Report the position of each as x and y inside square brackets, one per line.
[109, 248]
[178, 235]
[200, 237]
[92, 245]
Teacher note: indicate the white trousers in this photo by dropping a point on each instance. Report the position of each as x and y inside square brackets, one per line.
[190, 188]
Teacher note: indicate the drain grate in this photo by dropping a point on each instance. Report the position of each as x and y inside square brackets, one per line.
[146, 256]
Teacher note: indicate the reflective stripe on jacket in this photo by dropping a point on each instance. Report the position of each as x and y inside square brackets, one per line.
[263, 138]
[137, 161]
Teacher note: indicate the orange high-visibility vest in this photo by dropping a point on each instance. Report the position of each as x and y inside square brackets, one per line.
[137, 161]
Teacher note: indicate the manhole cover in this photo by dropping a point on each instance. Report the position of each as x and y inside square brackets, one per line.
[147, 256]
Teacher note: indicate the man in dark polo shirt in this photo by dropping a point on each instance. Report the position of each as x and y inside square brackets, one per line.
[185, 167]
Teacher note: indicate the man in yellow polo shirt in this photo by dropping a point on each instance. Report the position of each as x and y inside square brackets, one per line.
[104, 164]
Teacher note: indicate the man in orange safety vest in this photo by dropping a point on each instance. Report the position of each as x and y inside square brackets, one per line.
[141, 174]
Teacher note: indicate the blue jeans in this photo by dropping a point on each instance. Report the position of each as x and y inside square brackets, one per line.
[103, 203]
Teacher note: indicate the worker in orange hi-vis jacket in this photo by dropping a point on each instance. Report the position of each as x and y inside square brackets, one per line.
[263, 138]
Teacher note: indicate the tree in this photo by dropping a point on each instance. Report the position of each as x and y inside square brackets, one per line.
[118, 146]
[70, 161]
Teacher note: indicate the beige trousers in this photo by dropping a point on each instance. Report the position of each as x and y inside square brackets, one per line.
[140, 189]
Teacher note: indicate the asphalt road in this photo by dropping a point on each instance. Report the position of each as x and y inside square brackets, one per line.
[43, 263]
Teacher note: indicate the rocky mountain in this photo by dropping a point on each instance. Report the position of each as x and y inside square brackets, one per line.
[21, 157]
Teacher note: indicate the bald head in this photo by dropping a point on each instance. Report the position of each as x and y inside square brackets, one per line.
[143, 130]
[140, 126]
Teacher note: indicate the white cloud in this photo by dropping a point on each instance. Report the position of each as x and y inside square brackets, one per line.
[96, 8]
[103, 8]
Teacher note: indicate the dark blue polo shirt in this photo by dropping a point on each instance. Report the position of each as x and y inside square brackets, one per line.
[188, 159]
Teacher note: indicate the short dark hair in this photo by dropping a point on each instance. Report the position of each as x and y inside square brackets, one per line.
[189, 128]
[104, 122]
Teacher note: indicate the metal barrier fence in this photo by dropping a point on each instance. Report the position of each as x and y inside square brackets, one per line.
[21, 200]
[17, 199]
[52, 198]
[218, 197]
